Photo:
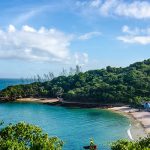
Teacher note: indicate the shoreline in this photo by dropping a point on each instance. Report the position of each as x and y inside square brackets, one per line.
[142, 117]
[39, 100]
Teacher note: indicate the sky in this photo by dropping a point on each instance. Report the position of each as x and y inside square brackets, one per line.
[41, 36]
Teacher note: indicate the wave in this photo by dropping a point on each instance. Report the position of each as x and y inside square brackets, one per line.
[129, 132]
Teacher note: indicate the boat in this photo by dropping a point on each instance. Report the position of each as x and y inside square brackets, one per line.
[94, 147]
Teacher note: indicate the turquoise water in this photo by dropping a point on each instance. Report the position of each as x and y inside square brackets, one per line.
[74, 126]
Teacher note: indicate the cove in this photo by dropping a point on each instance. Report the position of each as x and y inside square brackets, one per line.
[73, 125]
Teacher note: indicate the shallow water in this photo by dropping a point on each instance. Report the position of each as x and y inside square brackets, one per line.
[74, 126]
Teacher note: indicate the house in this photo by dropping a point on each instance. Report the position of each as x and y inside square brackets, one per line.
[147, 106]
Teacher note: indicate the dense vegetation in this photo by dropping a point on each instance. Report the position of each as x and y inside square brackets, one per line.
[111, 85]
[24, 136]
[142, 144]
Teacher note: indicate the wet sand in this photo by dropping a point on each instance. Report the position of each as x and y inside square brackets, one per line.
[143, 117]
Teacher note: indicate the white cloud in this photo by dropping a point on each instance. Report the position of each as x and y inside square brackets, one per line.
[133, 9]
[27, 28]
[136, 35]
[95, 3]
[135, 39]
[125, 28]
[135, 31]
[30, 44]
[86, 58]
[81, 58]
[89, 35]
[108, 6]
[11, 28]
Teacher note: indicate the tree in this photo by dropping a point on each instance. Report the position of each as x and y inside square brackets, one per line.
[129, 85]
[23, 136]
[57, 91]
[141, 144]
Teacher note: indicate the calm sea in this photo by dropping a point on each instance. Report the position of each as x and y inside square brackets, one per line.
[74, 126]
[8, 82]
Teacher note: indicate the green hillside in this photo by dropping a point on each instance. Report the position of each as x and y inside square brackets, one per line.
[110, 85]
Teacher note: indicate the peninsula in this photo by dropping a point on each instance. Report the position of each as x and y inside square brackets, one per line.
[129, 85]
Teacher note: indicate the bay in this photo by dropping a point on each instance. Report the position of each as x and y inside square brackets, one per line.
[73, 125]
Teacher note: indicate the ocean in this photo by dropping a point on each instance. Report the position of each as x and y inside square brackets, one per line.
[9, 82]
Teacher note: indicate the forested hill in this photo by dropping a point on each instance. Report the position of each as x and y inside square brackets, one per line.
[128, 85]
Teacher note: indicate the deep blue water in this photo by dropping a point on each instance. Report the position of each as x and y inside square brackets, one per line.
[74, 126]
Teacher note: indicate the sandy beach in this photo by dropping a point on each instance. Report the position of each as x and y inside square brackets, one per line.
[142, 116]
[38, 100]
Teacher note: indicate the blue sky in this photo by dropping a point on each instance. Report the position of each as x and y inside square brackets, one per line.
[47, 35]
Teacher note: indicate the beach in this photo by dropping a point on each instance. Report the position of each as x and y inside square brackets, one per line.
[142, 116]
[140, 119]
[39, 100]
